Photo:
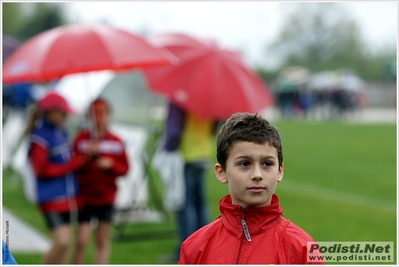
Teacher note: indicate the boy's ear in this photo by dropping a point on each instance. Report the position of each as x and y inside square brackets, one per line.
[220, 173]
[280, 173]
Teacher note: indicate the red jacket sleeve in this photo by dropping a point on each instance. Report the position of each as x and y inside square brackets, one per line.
[183, 257]
[121, 165]
[44, 169]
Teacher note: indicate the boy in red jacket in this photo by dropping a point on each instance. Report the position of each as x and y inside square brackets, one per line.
[251, 228]
[97, 180]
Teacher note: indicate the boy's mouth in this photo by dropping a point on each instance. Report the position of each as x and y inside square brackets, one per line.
[256, 189]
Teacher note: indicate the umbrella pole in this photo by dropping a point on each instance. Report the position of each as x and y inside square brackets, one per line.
[92, 125]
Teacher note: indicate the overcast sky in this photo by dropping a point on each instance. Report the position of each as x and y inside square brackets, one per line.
[243, 25]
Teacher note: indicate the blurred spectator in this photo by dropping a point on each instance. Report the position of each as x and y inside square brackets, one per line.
[97, 180]
[53, 164]
[292, 96]
[10, 44]
[16, 97]
[306, 100]
[338, 92]
[286, 97]
[192, 136]
[21, 96]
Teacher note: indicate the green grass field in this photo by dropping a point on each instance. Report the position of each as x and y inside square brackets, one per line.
[339, 185]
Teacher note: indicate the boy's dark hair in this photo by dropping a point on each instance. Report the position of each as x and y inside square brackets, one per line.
[246, 127]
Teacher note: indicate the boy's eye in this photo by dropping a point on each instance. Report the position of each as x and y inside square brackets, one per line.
[244, 163]
[268, 163]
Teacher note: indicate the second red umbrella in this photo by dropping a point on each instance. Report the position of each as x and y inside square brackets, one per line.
[208, 81]
[79, 48]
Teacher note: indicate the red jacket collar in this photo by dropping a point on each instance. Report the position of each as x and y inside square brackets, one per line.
[257, 219]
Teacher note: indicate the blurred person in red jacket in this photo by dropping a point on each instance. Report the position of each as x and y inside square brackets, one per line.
[251, 228]
[53, 164]
[97, 180]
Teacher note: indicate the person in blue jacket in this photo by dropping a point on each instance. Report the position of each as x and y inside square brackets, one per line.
[54, 164]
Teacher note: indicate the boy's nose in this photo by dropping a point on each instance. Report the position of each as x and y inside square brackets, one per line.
[257, 173]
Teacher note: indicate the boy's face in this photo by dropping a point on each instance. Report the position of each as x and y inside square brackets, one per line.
[252, 173]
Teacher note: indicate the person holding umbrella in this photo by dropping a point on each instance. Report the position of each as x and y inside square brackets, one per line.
[192, 136]
[53, 164]
[97, 180]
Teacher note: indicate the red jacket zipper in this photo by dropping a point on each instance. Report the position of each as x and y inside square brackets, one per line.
[246, 235]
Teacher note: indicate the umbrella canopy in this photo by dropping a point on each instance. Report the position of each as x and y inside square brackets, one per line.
[80, 48]
[349, 81]
[296, 74]
[291, 78]
[208, 81]
[343, 79]
[323, 80]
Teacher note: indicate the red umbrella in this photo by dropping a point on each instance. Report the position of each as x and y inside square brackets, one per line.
[209, 81]
[79, 48]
